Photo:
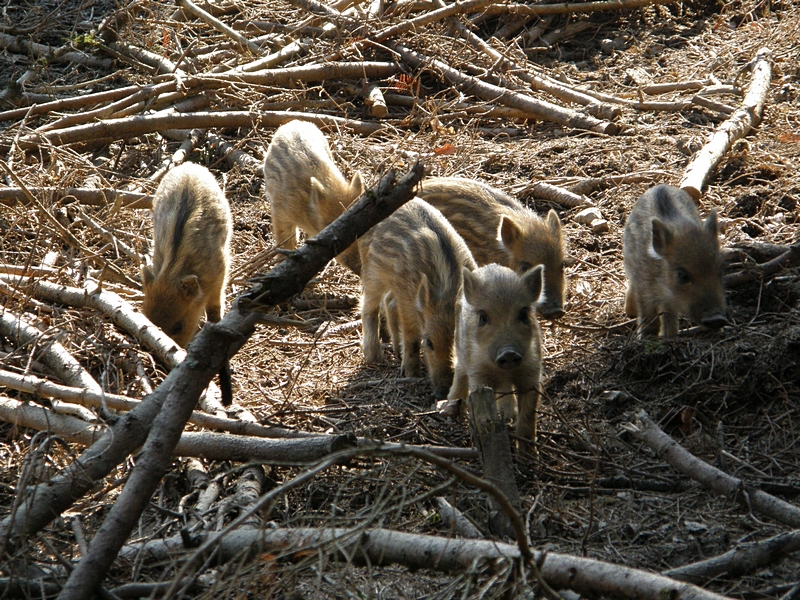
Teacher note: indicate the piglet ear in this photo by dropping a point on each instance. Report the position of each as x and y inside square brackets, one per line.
[190, 287]
[553, 222]
[356, 185]
[317, 192]
[712, 223]
[423, 295]
[469, 283]
[148, 277]
[534, 281]
[508, 233]
[662, 238]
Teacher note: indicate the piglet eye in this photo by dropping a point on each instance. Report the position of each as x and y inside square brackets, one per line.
[525, 315]
[177, 329]
[682, 276]
[429, 344]
[524, 267]
[483, 318]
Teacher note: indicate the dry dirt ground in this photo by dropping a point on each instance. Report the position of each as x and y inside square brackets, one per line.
[730, 397]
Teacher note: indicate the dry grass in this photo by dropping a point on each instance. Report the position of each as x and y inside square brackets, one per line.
[736, 390]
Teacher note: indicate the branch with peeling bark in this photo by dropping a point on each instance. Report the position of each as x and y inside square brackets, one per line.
[734, 128]
[711, 477]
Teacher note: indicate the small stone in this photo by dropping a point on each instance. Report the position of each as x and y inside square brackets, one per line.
[607, 46]
[599, 226]
[587, 215]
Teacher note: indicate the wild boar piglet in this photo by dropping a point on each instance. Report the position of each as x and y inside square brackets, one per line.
[499, 229]
[416, 258]
[306, 188]
[673, 263]
[191, 256]
[498, 340]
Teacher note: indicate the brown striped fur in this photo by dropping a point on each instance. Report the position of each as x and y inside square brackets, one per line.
[306, 188]
[498, 229]
[416, 256]
[191, 233]
[673, 263]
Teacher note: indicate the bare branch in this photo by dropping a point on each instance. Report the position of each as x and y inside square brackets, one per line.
[736, 127]
[711, 477]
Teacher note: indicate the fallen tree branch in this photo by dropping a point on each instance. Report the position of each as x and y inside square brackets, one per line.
[711, 477]
[790, 258]
[69, 103]
[419, 551]
[86, 196]
[742, 560]
[199, 444]
[50, 352]
[42, 388]
[207, 18]
[544, 111]
[121, 313]
[736, 127]
[497, 8]
[559, 90]
[207, 352]
[114, 129]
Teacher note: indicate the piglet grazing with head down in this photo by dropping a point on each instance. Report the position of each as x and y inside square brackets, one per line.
[189, 273]
[411, 267]
[673, 263]
[306, 188]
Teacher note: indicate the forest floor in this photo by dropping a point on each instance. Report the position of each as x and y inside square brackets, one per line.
[731, 397]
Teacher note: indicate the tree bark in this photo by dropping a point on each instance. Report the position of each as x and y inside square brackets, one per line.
[490, 436]
[417, 551]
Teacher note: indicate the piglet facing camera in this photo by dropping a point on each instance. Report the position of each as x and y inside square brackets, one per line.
[498, 340]
[673, 263]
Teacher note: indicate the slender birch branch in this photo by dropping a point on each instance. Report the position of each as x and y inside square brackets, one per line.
[736, 127]
[121, 313]
[85, 196]
[237, 37]
[199, 444]
[50, 352]
[742, 560]
[570, 7]
[114, 129]
[711, 477]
